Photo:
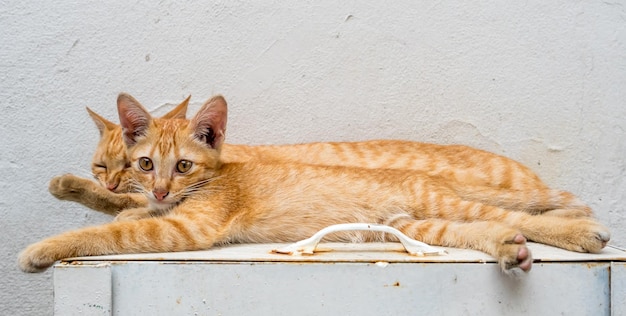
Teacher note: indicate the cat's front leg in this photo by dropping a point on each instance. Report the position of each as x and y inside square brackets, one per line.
[72, 188]
[160, 234]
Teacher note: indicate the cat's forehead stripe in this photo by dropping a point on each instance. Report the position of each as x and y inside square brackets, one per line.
[167, 140]
[167, 132]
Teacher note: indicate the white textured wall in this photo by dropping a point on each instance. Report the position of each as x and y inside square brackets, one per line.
[540, 81]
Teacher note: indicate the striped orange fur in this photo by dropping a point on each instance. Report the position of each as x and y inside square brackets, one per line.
[206, 201]
[110, 167]
[472, 173]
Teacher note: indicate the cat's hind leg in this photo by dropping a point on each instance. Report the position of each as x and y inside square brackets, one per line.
[504, 243]
[533, 201]
[572, 213]
[582, 234]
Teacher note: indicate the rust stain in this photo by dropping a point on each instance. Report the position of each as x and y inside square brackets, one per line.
[277, 252]
[395, 284]
[591, 265]
[320, 249]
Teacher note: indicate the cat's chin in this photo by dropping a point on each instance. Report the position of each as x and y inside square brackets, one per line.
[161, 206]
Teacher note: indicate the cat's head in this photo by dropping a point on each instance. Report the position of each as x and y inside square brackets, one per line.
[110, 165]
[172, 158]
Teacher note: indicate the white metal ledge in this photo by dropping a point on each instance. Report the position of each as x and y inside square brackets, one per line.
[352, 279]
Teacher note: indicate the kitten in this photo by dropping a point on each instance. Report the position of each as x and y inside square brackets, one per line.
[473, 173]
[208, 202]
[110, 167]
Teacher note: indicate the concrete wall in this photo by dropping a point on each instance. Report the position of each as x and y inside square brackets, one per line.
[540, 81]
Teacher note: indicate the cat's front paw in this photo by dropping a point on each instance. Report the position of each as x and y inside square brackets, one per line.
[35, 258]
[69, 187]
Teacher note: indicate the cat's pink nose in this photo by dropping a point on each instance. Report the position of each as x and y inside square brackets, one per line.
[111, 186]
[160, 194]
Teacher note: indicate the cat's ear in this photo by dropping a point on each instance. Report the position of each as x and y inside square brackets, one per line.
[179, 112]
[102, 123]
[134, 118]
[209, 124]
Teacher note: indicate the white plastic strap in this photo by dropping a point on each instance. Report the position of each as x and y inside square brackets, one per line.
[307, 246]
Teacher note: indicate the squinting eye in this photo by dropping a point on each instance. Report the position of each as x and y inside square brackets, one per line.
[101, 166]
[183, 166]
[145, 163]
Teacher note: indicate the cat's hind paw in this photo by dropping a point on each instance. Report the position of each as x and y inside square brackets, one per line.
[515, 258]
[585, 235]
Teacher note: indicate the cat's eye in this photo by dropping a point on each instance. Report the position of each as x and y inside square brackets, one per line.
[145, 163]
[100, 166]
[183, 166]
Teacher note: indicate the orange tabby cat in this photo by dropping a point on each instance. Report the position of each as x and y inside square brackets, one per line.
[208, 202]
[472, 173]
[110, 167]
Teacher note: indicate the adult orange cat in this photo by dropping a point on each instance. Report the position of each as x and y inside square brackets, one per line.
[473, 173]
[207, 202]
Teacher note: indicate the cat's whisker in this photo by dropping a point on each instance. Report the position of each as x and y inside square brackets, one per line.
[199, 186]
[137, 187]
